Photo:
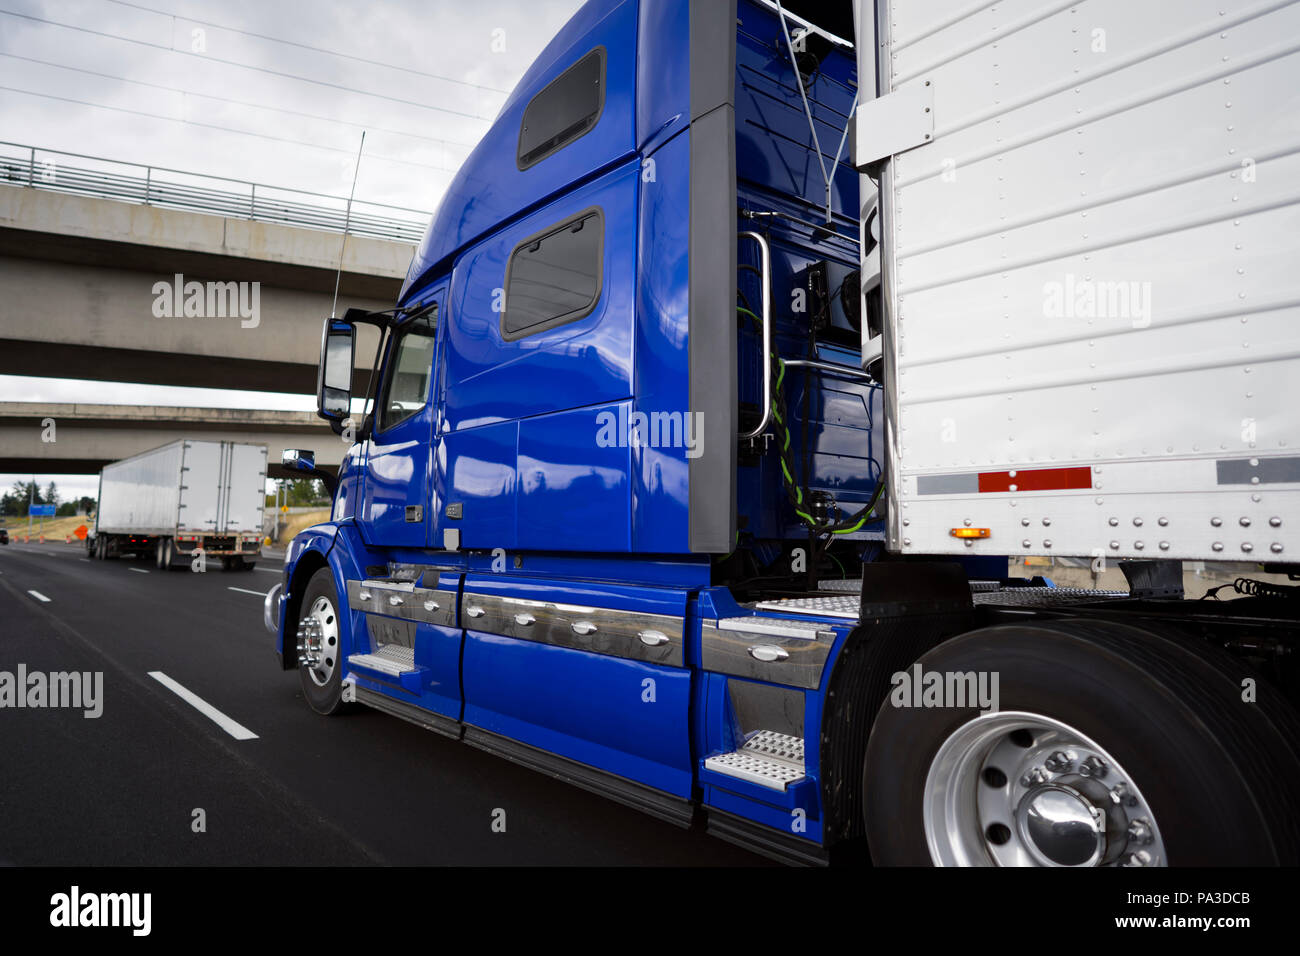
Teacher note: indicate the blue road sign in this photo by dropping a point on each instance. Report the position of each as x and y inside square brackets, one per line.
[42, 511]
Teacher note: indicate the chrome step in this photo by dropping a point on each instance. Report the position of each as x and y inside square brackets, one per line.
[827, 605]
[767, 759]
[391, 659]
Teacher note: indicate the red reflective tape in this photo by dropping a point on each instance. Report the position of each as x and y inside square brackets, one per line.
[1036, 479]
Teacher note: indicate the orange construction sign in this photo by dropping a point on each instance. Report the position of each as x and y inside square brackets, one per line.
[81, 532]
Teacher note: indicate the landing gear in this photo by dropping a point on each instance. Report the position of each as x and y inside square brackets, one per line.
[1109, 745]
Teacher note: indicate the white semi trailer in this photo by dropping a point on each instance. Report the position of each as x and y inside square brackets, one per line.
[186, 497]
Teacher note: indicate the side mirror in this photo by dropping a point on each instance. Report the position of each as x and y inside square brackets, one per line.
[299, 459]
[334, 376]
[304, 460]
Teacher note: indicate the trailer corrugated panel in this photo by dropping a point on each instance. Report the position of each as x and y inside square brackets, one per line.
[141, 494]
[202, 492]
[245, 488]
[1092, 298]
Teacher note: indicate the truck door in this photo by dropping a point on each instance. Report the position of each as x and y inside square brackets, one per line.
[396, 505]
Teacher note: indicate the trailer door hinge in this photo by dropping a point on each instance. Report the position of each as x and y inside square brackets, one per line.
[893, 123]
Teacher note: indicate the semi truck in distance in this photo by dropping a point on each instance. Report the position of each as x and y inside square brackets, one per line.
[183, 500]
[742, 362]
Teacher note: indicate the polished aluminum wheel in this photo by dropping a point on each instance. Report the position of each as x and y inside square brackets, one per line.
[318, 641]
[1021, 789]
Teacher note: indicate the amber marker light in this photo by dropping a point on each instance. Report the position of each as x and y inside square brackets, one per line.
[971, 532]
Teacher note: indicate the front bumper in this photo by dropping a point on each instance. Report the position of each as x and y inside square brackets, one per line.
[271, 608]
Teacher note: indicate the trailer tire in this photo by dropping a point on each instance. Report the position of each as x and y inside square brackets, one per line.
[159, 554]
[322, 685]
[169, 555]
[1215, 777]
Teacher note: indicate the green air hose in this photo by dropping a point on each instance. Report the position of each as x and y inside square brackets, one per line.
[794, 492]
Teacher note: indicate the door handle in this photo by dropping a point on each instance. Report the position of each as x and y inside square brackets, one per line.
[768, 652]
[652, 638]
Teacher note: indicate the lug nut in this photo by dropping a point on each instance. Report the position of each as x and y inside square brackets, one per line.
[1139, 832]
[1121, 796]
[1058, 762]
[1094, 766]
[1034, 777]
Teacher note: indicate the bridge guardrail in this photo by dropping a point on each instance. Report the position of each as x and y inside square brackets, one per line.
[23, 165]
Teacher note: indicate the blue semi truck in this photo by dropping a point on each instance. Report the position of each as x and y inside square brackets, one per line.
[641, 497]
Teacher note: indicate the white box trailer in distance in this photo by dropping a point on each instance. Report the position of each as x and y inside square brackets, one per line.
[186, 496]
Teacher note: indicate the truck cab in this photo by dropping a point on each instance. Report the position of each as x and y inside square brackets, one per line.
[614, 502]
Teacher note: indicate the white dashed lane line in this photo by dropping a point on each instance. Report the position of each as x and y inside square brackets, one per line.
[39, 596]
[269, 570]
[246, 591]
[232, 727]
[138, 570]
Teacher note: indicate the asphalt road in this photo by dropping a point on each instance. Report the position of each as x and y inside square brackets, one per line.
[365, 788]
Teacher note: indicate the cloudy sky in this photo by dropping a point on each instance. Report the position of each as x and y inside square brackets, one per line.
[275, 93]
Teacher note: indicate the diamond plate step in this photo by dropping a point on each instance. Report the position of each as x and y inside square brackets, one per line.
[843, 606]
[768, 759]
[391, 659]
[1046, 597]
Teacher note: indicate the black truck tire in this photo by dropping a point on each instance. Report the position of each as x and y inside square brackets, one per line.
[322, 683]
[1218, 774]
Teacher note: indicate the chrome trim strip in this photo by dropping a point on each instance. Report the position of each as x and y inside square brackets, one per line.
[402, 599]
[609, 631]
[761, 652]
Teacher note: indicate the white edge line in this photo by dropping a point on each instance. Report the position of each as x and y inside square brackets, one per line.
[246, 591]
[232, 727]
[39, 596]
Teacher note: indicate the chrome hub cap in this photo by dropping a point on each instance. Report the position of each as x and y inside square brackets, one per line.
[1021, 789]
[318, 641]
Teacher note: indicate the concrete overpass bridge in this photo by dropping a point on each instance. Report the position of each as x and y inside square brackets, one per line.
[87, 437]
[83, 252]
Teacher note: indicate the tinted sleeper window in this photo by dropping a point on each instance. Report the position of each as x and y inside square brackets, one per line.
[565, 109]
[554, 277]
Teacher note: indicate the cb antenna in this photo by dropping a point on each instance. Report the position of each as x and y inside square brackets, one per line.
[347, 221]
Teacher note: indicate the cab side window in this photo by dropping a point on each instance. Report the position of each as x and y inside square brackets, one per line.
[410, 371]
[566, 109]
[554, 277]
